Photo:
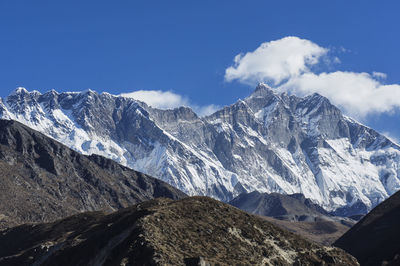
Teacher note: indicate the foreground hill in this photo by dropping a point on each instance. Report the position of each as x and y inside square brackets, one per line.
[163, 232]
[375, 239]
[269, 142]
[43, 180]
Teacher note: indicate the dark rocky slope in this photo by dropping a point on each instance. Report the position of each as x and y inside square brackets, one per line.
[293, 207]
[190, 231]
[295, 213]
[43, 180]
[375, 239]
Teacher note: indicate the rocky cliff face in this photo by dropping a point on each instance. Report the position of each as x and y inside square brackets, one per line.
[192, 231]
[268, 142]
[43, 180]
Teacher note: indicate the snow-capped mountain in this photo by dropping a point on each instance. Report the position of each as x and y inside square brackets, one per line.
[268, 142]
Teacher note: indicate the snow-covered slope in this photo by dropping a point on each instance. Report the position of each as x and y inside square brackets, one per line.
[268, 142]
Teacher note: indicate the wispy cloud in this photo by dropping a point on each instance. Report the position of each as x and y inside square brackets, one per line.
[390, 136]
[287, 64]
[379, 75]
[169, 100]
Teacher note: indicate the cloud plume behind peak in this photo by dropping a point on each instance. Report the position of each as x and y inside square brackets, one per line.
[169, 100]
[287, 64]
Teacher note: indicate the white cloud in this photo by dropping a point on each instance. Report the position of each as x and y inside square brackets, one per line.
[206, 110]
[169, 100]
[286, 63]
[336, 60]
[358, 94]
[158, 99]
[275, 61]
[379, 75]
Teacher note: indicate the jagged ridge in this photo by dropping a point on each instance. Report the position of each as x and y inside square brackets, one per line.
[268, 142]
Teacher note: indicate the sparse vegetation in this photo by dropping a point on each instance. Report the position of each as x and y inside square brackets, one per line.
[164, 232]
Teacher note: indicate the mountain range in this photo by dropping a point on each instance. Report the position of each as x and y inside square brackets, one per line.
[268, 142]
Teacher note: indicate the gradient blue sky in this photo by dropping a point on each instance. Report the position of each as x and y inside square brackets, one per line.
[185, 46]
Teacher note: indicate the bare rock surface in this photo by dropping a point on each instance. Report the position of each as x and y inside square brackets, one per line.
[42, 180]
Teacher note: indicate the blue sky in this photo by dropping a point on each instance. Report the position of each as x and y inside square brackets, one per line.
[185, 47]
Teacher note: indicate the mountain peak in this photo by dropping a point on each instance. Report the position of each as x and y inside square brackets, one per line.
[262, 89]
[19, 90]
[88, 91]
